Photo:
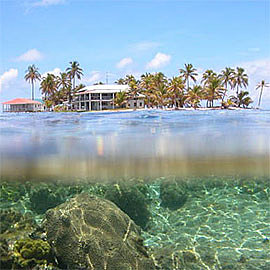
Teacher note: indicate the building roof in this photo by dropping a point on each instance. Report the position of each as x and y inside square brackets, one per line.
[18, 101]
[104, 88]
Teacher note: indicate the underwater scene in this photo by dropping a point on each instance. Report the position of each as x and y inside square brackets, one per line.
[142, 190]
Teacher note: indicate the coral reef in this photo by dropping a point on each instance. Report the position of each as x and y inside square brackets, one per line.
[5, 256]
[11, 191]
[8, 217]
[43, 197]
[172, 194]
[28, 253]
[220, 222]
[95, 234]
[131, 200]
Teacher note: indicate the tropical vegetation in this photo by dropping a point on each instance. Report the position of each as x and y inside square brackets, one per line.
[57, 90]
[261, 86]
[186, 90]
[32, 75]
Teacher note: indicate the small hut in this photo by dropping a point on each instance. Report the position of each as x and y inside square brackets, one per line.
[22, 105]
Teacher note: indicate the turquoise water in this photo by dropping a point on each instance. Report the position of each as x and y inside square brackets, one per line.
[196, 182]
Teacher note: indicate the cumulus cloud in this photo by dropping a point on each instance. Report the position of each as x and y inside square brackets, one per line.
[55, 71]
[145, 46]
[30, 55]
[94, 77]
[160, 60]
[124, 62]
[7, 77]
[44, 3]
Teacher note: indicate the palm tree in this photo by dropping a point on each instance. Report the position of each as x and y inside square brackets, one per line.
[176, 91]
[79, 87]
[131, 79]
[127, 80]
[246, 101]
[242, 99]
[240, 79]
[98, 83]
[32, 75]
[189, 72]
[214, 90]
[134, 89]
[159, 89]
[120, 81]
[48, 86]
[121, 99]
[194, 96]
[227, 78]
[261, 85]
[161, 95]
[74, 71]
[207, 76]
[64, 83]
[146, 86]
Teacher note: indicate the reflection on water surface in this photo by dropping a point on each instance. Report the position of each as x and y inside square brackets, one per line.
[135, 143]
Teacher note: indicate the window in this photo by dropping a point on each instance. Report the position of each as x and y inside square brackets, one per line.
[140, 104]
[135, 104]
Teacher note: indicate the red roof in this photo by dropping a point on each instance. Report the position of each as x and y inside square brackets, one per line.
[22, 101]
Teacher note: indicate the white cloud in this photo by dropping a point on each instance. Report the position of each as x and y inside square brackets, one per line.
[44, 3]
[94, 77]
[145, 46]
[55, 71]
[29, 56]
[7, 77]
[124, 62]
[259, 68]
[160, 60]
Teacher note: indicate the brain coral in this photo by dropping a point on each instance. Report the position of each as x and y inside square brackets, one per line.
[93, 233]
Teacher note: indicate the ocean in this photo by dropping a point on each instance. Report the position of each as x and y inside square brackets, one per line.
[195, 183]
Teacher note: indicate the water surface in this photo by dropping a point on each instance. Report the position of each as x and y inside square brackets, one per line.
[150, 142]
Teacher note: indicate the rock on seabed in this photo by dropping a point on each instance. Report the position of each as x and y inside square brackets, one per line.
[88, 232]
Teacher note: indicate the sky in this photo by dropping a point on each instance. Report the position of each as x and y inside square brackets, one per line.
[112, 38]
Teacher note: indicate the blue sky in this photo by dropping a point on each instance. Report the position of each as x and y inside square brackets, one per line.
[122, 37]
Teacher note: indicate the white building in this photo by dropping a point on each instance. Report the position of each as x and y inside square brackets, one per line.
[100, 97]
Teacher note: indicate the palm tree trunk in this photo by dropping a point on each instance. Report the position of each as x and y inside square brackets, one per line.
[260, 97]
[223, 96]
[33, 90]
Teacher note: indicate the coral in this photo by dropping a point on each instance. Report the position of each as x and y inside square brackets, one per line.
[254, 186]
[5, 256]
[8, 217]
[96, 189]
[27, 253]
[131, 200]
[88, 232]
[43, 197]
[172, 194]
[11, 191]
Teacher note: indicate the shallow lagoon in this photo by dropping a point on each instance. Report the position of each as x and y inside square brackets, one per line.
[201, 179]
